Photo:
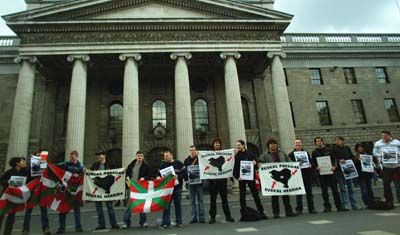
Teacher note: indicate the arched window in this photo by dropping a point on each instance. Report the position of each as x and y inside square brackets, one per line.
[159, 113]
[116, 111]
[201, 115]
[246, 113]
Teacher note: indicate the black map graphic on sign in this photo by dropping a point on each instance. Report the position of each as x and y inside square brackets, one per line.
[104, 183]
[282, 176]
[217, 162]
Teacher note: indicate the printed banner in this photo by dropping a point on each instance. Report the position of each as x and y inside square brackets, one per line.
[389, 155]
[216, 164]
[17, 181]
[167, 171]
[36, 169]
[367, 164]
[325, 165]
[105, 185]
[349, 170]
[283, 178]
[302, 157]
[193, 174]
[246, 170]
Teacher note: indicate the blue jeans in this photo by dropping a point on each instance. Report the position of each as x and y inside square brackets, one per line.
[367, 193]
[177, 198]
[127, 217]
[100, 213]
[63, 218]
[43, 217]
[346, 191]
[196, 190]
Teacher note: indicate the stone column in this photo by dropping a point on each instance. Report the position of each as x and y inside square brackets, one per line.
[75, 139]
[236, 127]
[183, 110]
[21, 120]
[282, 104]
[130, 122]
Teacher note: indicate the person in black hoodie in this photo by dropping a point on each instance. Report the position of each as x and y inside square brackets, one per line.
[18, 168]
[220, 186]
[326, 181]
[243, 155]
[365, 178]
[138, 169]
[307, 174]
[102, 165]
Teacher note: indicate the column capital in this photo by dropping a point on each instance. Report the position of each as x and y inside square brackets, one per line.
[272, 54]
[72, 58]
[186, 55]
[135, 56]
[30, 59]
[225, 55]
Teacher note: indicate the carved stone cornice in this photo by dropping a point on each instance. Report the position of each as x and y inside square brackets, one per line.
[185, 55]
[72, 58]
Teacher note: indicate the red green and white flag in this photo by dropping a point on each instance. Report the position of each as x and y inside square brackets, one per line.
[152, 195]
[14, 198]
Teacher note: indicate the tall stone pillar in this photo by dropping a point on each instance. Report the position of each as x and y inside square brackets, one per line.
[183, 111]
[236, 127]
[21, 120]
[130, 123]
[75, 139]
[282, 104]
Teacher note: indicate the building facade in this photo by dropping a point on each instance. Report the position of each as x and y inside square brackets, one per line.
[155, 75]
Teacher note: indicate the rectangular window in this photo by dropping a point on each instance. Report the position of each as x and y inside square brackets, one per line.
[350, 75]
[291, 109]
[358, 110]
[391, 107]
[382, 75]
[324, 113]
[316, 78]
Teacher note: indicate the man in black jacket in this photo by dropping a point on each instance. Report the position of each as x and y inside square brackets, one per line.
[326, 181]
[243, 155]
[136, 170]
[307, 174]
[102, 165]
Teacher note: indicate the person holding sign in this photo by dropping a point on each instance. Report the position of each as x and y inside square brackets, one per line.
[307, 171]
[102, 165]
[179, 170]
[275, 155]
[366, 174]
[388, 149]
[195, 185]
[18, 169]
[138, 169]
[219, 186]
[242, 156]
[326, 180]
[343, 153]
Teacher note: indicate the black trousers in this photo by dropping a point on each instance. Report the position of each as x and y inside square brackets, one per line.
[254, 192]
[389, 175]
[215, 187]
[9, 223]
[286, 203]
[329, 181]
[307, 180]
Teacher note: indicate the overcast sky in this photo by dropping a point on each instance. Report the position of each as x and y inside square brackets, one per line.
[310, 16]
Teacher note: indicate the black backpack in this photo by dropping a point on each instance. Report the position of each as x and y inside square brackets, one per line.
[249, 214]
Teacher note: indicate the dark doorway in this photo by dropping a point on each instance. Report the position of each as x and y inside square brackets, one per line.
[154, 158]
[114, 157]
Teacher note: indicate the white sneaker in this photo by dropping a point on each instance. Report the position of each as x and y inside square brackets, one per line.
[124, 226]
[145, 225]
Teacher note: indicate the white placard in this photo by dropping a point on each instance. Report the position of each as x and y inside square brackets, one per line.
[193, 174]
[216, 164]
[17, 181]
[104, 185]
[367, 164]
[36, 169]
[302, 158]
[246, 170]
[167, 171]
[389, 155]
[325, 165]
[349, 169]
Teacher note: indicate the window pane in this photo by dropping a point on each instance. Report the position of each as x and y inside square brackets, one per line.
[316, 78]
[358, 110]
[382, 75]
[201, 115]
[159, 113]
[246, 114]
[391, 107]
[324, 113]
[116, 112]
[350, 75]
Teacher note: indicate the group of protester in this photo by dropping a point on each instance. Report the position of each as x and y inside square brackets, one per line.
[343, 196]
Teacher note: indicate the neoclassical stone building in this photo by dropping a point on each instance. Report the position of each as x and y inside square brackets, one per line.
[164, 74]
